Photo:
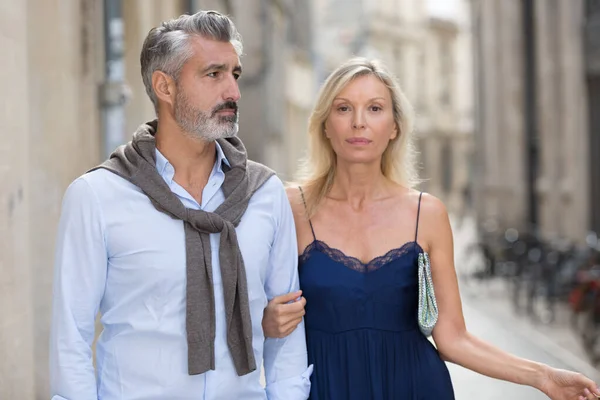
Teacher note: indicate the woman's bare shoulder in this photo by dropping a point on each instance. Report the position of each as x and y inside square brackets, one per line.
[432, 206]
[434, 223]
[429, 203]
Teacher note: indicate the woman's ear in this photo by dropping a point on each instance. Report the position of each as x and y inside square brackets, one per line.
[394, 132]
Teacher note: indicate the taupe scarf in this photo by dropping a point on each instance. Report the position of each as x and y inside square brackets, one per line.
[136, 162]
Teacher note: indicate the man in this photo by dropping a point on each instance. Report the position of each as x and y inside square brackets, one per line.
[179, 241]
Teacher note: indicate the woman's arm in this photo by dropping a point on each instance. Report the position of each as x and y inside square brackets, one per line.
[457, 345]
[284, 313]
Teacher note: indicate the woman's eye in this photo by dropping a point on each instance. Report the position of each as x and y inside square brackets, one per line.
[343, 108]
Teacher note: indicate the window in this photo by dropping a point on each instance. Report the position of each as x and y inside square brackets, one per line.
[446, 71]
[592, 7]
[446, 164]
[399, 63]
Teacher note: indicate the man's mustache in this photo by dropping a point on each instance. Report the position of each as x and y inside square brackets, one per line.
[228, 105]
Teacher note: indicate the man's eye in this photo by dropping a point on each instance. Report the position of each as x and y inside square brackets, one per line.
[236, 76]
[213, 74]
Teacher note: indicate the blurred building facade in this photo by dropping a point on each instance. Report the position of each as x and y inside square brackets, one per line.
[448, 120]
[53, 128]
[49, 129]
[592, 78]
[428, 46]
[538, 96]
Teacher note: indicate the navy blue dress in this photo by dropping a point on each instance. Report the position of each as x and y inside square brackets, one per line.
[361, 327]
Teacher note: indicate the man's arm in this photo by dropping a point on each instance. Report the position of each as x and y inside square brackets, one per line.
[79, 279]
[285, 359]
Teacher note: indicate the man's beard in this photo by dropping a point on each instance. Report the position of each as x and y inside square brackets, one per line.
[208, 126]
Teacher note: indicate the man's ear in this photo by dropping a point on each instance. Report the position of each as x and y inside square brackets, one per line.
[164, 87]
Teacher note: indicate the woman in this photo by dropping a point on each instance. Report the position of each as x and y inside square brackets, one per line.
[360, 228]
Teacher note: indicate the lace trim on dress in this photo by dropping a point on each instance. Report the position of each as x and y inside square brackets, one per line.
[353, 262]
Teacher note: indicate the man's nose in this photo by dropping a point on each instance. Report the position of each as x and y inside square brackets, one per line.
[233, 90]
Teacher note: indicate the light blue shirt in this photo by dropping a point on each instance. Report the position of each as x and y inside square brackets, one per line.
[118, 255]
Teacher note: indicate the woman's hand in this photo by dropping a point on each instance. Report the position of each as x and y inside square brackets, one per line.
[283, 314]
[559, 384]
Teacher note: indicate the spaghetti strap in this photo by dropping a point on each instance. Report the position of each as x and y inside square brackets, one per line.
[418, 213]
[309, 221]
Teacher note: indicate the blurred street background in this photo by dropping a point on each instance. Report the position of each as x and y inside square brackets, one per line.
[507, 94]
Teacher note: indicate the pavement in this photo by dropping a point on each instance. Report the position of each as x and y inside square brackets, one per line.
[489, 315]
[492, 321]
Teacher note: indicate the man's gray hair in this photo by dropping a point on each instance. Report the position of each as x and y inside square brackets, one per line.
[167, 48]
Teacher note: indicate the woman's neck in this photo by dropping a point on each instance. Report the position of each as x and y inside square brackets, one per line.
[358, 184]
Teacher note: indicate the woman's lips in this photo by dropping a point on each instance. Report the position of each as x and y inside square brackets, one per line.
[358, 141]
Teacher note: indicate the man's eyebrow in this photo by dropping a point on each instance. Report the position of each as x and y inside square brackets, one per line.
[214, 67]
[220, 68]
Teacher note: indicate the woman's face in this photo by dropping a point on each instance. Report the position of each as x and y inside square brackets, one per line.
[361, 122]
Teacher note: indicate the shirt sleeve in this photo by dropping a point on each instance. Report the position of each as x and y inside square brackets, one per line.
[285, 359]
[79, 280]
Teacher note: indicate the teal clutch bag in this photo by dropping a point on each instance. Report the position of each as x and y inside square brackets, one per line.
[428, 309]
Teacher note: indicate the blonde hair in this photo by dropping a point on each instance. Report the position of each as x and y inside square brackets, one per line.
[317, 170]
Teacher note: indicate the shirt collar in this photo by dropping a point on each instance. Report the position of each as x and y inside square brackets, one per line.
[166, 170]
[221, 157]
